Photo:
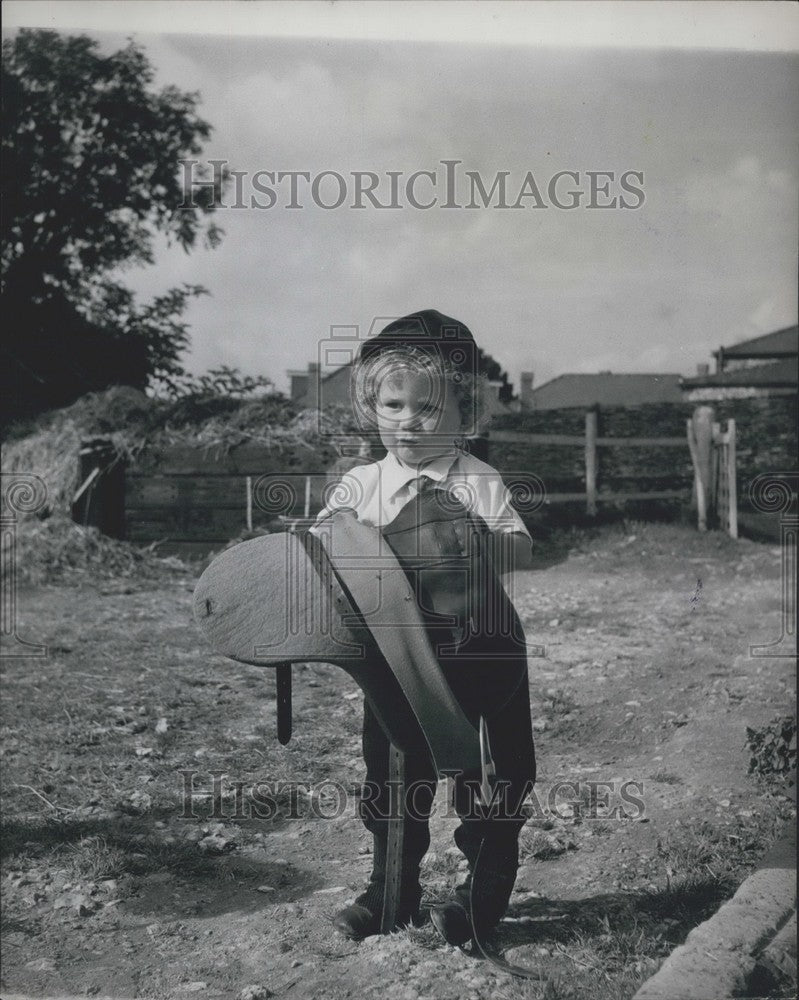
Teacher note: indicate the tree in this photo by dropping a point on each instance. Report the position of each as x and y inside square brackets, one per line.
[91, 166]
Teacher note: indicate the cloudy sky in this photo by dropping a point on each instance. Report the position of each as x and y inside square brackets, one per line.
[708, 259]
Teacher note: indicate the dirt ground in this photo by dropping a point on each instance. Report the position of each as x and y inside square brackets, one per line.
[109, 889]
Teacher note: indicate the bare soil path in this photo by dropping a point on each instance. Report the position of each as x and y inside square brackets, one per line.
[646, 685]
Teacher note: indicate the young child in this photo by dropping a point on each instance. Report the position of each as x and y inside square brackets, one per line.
[417, 383]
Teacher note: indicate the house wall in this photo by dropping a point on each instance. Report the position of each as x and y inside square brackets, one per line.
[335, 389]
[733, 364]
[299, 386]
[713, 394]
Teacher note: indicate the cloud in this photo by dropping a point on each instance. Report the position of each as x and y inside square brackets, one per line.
[708, 259]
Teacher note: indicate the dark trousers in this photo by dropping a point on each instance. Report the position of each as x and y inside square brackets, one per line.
[492, 833]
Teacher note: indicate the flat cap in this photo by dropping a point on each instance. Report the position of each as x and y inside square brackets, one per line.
[430, 332]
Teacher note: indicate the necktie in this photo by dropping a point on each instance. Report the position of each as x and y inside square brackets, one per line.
[425, 487]
[420, 484]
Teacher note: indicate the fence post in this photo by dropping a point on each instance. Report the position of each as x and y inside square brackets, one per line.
[732, 484]
[699, 490]
[717, 497]
[700, 441]
[590, 461]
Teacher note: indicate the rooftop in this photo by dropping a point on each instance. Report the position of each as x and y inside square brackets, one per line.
[783, 373]
[783, 343]
[607, 389]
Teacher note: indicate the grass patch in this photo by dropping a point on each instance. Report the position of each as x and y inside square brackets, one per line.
[541, 845]
[443, 866]
[92, 860]
[606, 946]
[125, 846]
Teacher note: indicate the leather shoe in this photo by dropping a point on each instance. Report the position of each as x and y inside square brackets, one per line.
[356, 922]
[452, 922]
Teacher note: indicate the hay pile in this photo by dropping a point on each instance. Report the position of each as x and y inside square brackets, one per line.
[55, 548]
[49, 446]
[49, 544]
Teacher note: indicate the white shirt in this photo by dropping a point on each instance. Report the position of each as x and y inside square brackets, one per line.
[378, 492]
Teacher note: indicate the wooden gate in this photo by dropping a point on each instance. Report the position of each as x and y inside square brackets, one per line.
[724, 481]
[715, 478]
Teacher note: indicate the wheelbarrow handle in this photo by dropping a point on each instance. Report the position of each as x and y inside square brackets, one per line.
[283, 694]
[488, 771]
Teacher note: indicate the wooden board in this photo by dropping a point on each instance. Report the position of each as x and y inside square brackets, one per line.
[650, 495]
[143, 491]
[247, 460]
[185, 523]
[520, 437]
[190, 551]
[642, 442]
[616, 497]
[619, 480]
[201, 491]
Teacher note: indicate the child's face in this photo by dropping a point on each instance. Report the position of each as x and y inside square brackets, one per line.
[417, 416]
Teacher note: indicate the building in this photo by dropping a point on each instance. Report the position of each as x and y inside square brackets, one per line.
[599, 389]
[311, 390]
[769, 348]
[762, 366]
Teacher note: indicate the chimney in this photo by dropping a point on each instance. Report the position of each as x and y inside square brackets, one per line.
[496, 385]
[299, 384]
[703, 370]
[526, 390]
[312, 399]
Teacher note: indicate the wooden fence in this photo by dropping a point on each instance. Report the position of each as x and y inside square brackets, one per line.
[191, 500]
[591, 443]
[713, 457]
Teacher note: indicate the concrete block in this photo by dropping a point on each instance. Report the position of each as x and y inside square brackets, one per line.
[720, 956]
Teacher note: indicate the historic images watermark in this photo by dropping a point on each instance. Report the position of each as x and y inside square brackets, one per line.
[21, 493]
[446, 186]
[216, 795]
[775, 493]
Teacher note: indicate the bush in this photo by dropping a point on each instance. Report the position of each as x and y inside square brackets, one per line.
[773, 748]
